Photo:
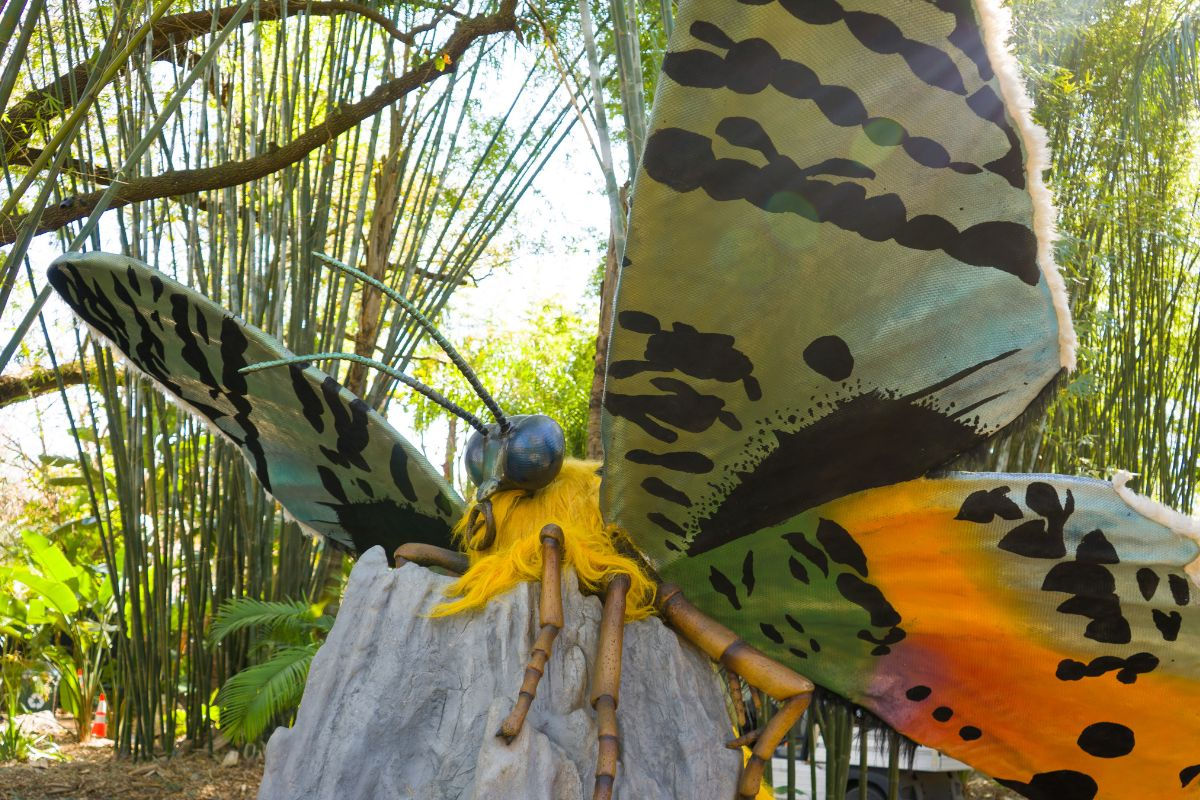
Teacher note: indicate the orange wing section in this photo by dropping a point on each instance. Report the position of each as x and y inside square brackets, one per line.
[1072, 676]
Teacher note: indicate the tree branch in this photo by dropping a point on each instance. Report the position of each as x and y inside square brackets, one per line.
[167, 44]
[36, 382]
[234, 173]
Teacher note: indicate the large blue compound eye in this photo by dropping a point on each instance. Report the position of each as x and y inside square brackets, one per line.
[473, 457]
[536, 447]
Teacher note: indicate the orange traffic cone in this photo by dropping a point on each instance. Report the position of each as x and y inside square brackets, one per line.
[100, 720]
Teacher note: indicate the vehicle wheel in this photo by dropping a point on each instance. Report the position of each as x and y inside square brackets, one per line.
[873, 792]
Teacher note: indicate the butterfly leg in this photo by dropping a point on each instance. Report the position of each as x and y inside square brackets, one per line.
[723, 645]
[606, 685]
[550, 616]
[428, 555]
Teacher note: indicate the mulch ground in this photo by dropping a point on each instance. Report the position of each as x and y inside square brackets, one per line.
[91, 772]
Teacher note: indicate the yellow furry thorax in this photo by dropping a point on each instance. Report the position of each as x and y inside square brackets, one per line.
[571, 501]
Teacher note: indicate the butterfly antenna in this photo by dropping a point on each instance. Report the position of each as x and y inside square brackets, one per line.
[424, 321]
[412, 383]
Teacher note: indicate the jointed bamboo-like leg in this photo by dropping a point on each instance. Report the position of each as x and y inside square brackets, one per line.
[606, 685]
[735, 693]
[550, 616]
[723, 645]
[428, 555]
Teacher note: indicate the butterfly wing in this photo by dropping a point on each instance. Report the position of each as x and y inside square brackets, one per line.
[332, 462]
[1043, 629]
[838, 272]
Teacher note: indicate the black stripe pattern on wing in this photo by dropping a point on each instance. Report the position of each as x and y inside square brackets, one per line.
[929, 64]
[684, 161]
[752, 65]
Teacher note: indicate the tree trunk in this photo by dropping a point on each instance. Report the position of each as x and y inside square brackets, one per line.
[608, 288]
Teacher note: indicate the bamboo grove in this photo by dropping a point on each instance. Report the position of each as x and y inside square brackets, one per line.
[412, 170]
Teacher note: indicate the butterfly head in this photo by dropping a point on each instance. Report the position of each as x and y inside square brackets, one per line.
[526, 455]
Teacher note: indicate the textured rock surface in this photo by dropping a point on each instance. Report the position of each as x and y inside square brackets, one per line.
[399, 705]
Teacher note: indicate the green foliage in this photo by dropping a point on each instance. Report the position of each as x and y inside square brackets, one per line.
[291, 632]
[544, 366]
[62, 613]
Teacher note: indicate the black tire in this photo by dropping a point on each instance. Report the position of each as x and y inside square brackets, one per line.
[873, 792]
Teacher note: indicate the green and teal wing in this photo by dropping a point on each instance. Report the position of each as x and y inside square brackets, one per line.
[331, 461]
[1043, 629]
[838, 273]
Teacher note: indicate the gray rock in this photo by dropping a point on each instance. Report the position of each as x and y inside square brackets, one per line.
[399, 705]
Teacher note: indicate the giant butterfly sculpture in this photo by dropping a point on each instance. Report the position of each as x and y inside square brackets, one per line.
[838, 280]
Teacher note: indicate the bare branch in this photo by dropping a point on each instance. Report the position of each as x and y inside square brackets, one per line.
[234, 173]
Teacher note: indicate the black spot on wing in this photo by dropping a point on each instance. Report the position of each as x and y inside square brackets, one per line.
[1041, 538]
[748, 572]
[706, 356]
[1106, 740]
[883, 643]
[724, 586]
[1188, 774]
[679, 461]
[1180, 591]
[131, 277]
[156, 287]
[638, 322]
[332, 484]
[1107, 623]
[797, 569]
[1147, 581]
[310, 403]
[869, 598]
[986, 504]
[443, 504]
[918, 693]
[804, 547]
[969, 733]
[666, 523]
[1168, 624]
[192, 353]
[841, 547]
[1127, 669]
[942, 713]
[680, 406]
[350, 424]
[202, 326]
[1030, 539]
[398, 467]
[771, 632]
[661, 489]
[1062, 784]
[987, 105]
[794, 623]
[233, 357]
[965, 35]
[1096, 549]
[830, 356]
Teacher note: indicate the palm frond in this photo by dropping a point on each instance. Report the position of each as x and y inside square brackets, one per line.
[278, 618]
[252, 698]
